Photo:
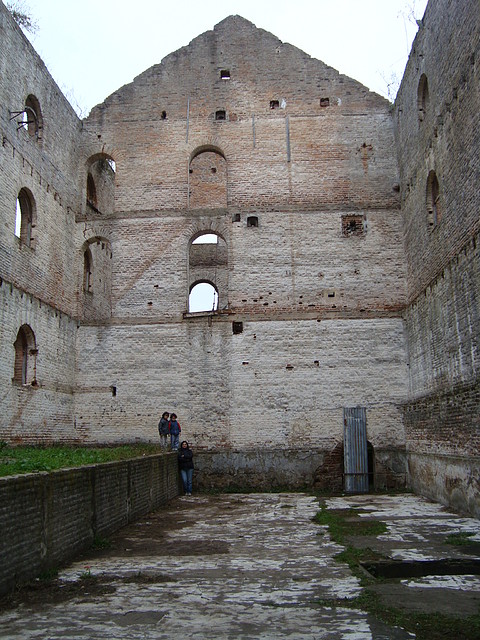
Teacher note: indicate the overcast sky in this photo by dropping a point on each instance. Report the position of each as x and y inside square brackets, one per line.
[93, 47]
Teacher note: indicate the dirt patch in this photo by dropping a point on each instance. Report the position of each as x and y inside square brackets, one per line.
[46, 592]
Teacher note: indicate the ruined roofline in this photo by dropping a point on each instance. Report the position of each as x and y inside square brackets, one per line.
[230, 26]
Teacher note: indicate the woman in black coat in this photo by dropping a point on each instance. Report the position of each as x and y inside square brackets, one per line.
[185, 462]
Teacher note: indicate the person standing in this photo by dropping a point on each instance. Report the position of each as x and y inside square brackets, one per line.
[185, 462]
[175, 431]
[163, 429]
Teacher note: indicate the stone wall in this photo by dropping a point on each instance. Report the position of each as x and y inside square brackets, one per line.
[48, 518]
[351, 275]
[438, 130]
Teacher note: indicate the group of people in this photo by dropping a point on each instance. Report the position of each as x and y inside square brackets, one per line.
[169, 426]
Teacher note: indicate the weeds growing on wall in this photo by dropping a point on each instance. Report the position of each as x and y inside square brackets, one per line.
[17, 460]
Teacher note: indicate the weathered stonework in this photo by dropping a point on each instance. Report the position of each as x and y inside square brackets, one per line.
[438, 130]
[327, 281]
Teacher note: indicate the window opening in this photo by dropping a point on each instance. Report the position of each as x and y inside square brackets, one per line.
[24, 218]
[25, 353]
[91, 191]
[423, 97]
[164, 115]
[206, 238]
[353, 225]
[274, 104]
[220, 115]
[237, 327]
[29, 118]
[252, 221]
[433, 199]
[225, 74]
[203, 297]
[87, 271]
[324, 102]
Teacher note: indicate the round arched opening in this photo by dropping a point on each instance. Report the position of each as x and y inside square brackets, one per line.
[203, 297]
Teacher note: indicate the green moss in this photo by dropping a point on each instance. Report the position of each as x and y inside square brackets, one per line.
[460, 538]
[347, 522]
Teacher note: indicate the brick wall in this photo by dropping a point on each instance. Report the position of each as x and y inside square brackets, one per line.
[48, 518]
[331, 318]
[440, 132]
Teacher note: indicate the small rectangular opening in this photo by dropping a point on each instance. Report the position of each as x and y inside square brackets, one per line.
[237, 327]
[353, 225]
[225, 74]
[252, 221]
[324, 102]
[220, 115]
[274, 104]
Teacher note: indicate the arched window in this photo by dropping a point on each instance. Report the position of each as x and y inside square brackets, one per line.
[207, 273]
[207, 180]
[91, 191]
[25, 356]
[100, 185]
[87, 271]
[203, 297]
[422, 97]
[433, 200]
[24, 219]
[32, 118]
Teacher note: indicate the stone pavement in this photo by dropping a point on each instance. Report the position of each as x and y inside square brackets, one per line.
[236, 566]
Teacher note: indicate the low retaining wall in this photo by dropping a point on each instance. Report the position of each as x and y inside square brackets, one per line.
[450, 480]
[48, 518]
[291, 469]
[256, 469]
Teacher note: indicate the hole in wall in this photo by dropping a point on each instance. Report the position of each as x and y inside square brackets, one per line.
[237, 327]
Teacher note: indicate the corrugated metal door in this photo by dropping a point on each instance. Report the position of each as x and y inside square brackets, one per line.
[355, 450]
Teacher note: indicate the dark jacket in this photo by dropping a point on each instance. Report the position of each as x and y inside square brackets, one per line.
[163, 427]
[185, 458]
[174, 427]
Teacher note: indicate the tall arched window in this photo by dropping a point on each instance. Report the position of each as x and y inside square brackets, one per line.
[91, 191]
[100, 185]
[422, 97]
[32, 118]
[87, 271]
[25, 356]
[207, 273]
[24, 219]
[433, 199]
[207, 180]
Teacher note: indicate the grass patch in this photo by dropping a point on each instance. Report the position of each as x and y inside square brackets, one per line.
[343, 523]
[460, 538]
[101, 544]
[425, 626]
[347, 522]
[18, 460]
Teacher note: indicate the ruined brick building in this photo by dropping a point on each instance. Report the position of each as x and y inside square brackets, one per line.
[345, 260]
